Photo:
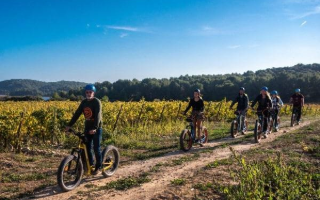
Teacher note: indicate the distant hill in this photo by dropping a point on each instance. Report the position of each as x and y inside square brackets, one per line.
[213, 87]
[23, 87]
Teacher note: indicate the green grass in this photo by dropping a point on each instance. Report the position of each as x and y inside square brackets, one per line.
[218, 163]
[127, 183]
[13, 177]
[203, 186]
[178, 182]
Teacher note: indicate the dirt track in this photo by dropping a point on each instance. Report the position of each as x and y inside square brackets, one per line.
[215, 150]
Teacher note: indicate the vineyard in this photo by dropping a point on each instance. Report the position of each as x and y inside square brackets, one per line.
[24, 124]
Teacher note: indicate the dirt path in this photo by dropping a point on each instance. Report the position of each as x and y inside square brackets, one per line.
[160, 180]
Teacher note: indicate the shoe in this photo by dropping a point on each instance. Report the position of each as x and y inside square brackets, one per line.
[199, 141]
[96, 171]
[265, 134]
[298, 122]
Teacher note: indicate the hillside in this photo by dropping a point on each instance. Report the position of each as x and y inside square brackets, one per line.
[23, 87]
[213, 87]
[217, 87]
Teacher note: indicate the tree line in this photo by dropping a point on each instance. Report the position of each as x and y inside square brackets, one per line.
[213, 87]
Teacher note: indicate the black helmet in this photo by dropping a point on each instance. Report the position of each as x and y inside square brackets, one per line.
[197, 90]
[242, 88]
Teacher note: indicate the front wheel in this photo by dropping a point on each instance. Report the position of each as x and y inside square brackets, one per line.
[110, 160]
[70, 173]
[185, 140]
[257, 130]
[234, 128]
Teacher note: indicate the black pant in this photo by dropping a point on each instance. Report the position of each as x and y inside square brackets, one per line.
[265, 117]
[95, 141]
[275, 117]
[298, 112]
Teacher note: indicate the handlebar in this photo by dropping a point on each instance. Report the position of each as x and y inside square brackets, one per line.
[79, 134]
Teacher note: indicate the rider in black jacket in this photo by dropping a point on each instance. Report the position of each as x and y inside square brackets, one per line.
[243, 103]
[264, 103]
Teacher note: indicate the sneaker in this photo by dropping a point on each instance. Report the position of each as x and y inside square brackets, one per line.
[96, 171]
[199, 141]
[265, 134]
[298, 122]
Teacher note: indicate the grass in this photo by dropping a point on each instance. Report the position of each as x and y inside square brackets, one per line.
[127, 183]
[218, 163]
[152, 140]
[184, 159]
[178, 182]
[203, 186]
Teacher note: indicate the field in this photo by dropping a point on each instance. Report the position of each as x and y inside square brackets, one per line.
[33, 143]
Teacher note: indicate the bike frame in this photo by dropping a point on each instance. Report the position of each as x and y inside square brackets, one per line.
[85, 160]
[82, 148]
[193, 135]
[239, 120]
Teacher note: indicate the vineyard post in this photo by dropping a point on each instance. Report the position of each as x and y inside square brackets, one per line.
[178, 111]
[217, 116]
[115, 124]
[55, 130]
[18, 145]
[53, 124]
[161, 116]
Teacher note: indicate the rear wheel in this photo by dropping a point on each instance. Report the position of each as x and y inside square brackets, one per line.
[234, 129]
[205, 137]
[70, 173]
[185, 140]
[110, 160]
[257, 131]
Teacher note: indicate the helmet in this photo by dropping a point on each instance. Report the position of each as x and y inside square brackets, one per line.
[264, 88]
[275, 92]
[90, 87]
[197, 90]
[242, 88]
[297, 90]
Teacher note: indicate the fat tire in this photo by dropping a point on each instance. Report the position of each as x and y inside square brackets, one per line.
[60, 174]
[185, 133]
[115, 151]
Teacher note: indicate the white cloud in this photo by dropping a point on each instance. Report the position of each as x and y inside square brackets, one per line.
[124, 28]
[234, 47]
[303, 23]
[314, 11]
[122, 35]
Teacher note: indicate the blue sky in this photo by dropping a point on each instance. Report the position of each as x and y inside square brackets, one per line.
[95, 41]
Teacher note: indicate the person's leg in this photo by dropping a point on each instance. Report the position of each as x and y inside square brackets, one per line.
[199, 122]
[265, 120]
[243, 113]
[89, 148]
[276, 112]
[96, 147]
[299, 109]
